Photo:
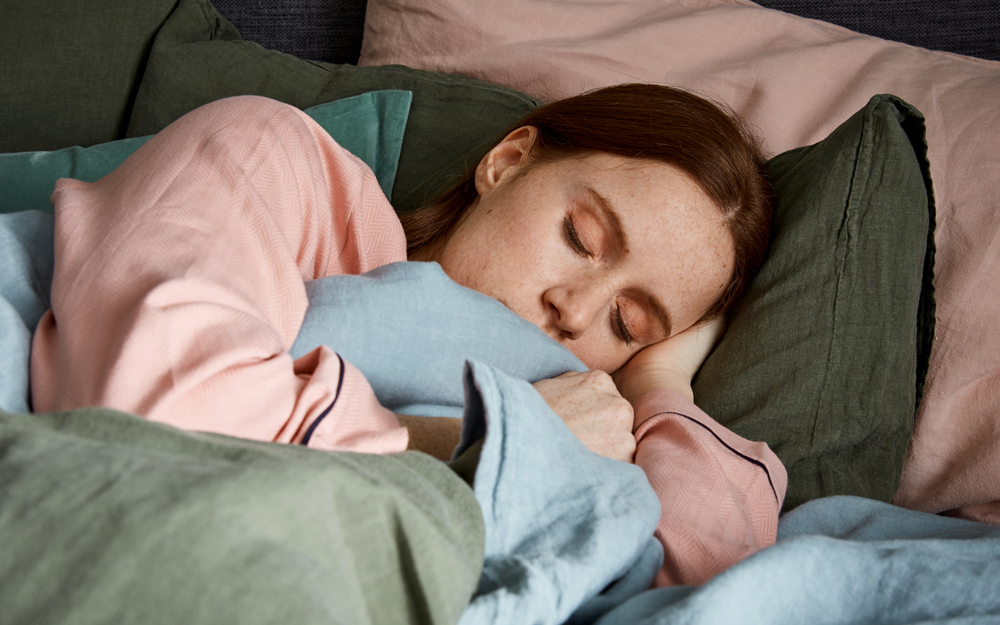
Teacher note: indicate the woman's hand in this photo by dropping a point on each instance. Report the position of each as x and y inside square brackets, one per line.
[670, 364]
[590, 405]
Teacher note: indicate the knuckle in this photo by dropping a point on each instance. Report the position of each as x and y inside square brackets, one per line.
[627, 448]
[600, 378]
[624, 410]
[631, 445]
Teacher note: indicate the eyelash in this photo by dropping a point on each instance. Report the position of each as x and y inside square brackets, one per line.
[574, 238]
[578, 246]
[623, 332]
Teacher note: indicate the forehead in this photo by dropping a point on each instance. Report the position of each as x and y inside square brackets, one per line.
[680, 249]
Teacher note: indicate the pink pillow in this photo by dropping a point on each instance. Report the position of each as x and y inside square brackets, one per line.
[795, 80]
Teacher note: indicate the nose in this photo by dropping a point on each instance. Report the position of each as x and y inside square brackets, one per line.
[573, 309]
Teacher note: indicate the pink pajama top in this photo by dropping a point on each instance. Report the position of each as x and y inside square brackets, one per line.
[179, 289]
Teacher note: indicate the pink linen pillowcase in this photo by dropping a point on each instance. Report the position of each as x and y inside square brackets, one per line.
[796, 80]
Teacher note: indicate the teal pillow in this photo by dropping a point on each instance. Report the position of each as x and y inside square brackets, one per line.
[70, 69]
[199, 57]
[825, 357]
[369, 125]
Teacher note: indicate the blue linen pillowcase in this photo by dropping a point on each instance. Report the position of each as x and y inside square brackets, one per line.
[394, 320]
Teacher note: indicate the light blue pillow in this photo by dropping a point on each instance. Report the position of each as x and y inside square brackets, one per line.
[25, 282]
[369, 125]
[393, 320]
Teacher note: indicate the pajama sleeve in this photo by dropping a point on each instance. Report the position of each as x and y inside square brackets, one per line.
[179, 281]
[720, 494]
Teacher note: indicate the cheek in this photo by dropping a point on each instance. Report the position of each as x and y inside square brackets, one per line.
[516, 265]
[470, 257]
[598, 354]
[494, 267]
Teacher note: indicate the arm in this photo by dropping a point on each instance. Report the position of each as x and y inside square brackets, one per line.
[179, 281]
[435, 436]
[720, 494]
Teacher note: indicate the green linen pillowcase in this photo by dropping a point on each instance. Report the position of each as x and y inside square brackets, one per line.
[825, 357]
[199, 57]
[71, 68]
[370, 126]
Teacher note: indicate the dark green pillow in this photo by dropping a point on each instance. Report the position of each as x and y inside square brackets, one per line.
[370, 126]
[199, 57]
[825, 357]
[70, 69]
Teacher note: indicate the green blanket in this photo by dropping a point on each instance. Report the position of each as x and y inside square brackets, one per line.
[129, 521]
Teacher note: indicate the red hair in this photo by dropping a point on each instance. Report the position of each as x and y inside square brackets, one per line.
[652, 122]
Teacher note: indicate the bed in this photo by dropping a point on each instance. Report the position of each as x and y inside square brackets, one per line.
[878, 388]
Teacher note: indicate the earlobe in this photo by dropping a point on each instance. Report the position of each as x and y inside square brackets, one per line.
[505, 158]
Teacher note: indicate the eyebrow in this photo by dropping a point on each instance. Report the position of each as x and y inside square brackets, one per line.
[612, 218]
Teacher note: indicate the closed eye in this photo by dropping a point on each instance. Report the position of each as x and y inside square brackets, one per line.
[574, 238]
[618, 322]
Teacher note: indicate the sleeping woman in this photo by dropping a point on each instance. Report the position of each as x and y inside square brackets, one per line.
[624, 223]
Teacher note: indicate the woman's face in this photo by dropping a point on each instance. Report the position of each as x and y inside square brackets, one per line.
[605, 254]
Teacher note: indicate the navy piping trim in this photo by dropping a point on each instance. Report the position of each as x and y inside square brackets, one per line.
[760, 464]
[336, 396]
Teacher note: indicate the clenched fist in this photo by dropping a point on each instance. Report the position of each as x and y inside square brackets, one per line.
[590, 405]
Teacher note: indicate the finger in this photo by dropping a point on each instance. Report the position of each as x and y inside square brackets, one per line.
[626, 450]
[626, 416]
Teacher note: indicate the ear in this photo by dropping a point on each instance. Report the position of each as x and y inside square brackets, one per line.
[507, 157]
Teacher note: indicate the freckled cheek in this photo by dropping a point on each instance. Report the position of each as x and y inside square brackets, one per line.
[493, 269]
[597, 354]
[520, 283]
[522, 252]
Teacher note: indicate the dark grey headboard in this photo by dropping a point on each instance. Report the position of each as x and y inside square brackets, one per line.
[970, 27]
[331, 30]
[318, 30]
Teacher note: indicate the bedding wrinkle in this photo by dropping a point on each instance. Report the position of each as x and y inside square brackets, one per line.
[963, 478]
[179, 283]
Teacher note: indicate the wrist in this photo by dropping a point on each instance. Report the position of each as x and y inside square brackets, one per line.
[435, 436]
[635, 386]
